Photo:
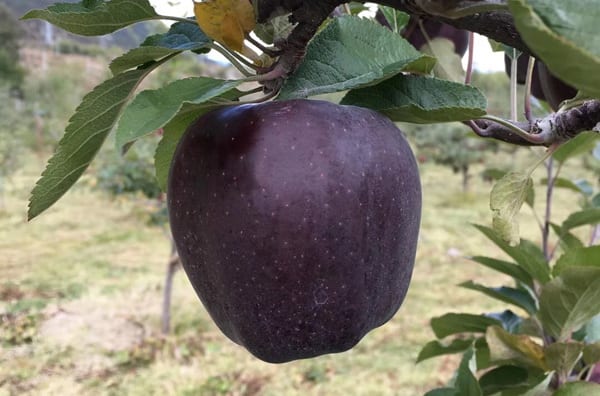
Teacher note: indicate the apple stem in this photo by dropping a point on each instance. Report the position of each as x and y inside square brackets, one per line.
[176, 19]
[513, 85]
[528, 80]
[172, 266]
[235, 61]
[471, 53]
[531, 138]
[273, 53]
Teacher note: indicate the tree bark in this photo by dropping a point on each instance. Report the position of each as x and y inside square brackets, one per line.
[172, 267]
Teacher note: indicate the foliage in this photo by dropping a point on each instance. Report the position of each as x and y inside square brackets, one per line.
[130, 173]
[547, 337]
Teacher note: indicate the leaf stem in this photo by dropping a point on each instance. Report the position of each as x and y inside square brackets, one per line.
[469, 73]
[547, 215]
[535, 139]
[513, 85]
[273, 53]
[231, 58]
[176, 19]
[528, 79]
[588, 376]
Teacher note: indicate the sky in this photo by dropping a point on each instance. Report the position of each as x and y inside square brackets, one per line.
[485, 59]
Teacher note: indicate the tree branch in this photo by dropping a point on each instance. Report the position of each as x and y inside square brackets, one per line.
[552, 129]
[497, 25]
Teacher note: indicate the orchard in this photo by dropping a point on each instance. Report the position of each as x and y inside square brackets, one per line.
[296, 219]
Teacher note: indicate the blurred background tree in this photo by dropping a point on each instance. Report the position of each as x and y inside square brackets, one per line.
[10, 33]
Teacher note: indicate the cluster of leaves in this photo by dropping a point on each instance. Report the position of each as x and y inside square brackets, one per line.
[329, 66]
[132, 175]
[550, 339]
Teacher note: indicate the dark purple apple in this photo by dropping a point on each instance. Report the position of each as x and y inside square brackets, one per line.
[435, 29]
[555, 90]
[296, 222]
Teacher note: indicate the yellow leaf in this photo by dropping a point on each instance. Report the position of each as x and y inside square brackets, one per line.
[226, 21]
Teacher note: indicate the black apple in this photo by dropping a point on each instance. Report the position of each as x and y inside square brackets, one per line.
[296, 222]
[435, 29]
[555, 90]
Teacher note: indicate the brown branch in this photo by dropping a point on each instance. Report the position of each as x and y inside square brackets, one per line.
[497, 25]
[552, 129]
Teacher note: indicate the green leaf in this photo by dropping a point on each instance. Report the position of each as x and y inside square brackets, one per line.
[583, 257]
[172, 133]
[95, 18]
[442, 392]
[502, 378]
[509, 320]
[592, 330]
[578, 388]
[466, 383]
[396, 19]
[275, 29]
[437, 348]
[153, 109]
[420, 100]
[518, 297]
[580, 144]
[562, 356]
[591, 353]
[506, 199]
[180, 37]
[506, 347]
[352, 52]
[556, 31]
[449, 63]
[570, 300]
[567, 240]
[506, 268]
[540, 389]
[88, 128]
[585, 217]
[596, 201]
[527, 255]
[139, 56]
[454, 323]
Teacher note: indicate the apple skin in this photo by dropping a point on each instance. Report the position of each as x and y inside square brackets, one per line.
[296, 223]
[436, 29]
[555, 90]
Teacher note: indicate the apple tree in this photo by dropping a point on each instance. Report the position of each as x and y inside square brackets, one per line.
[265, 184]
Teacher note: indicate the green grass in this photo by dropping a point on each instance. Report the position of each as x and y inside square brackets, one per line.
[85, 279]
